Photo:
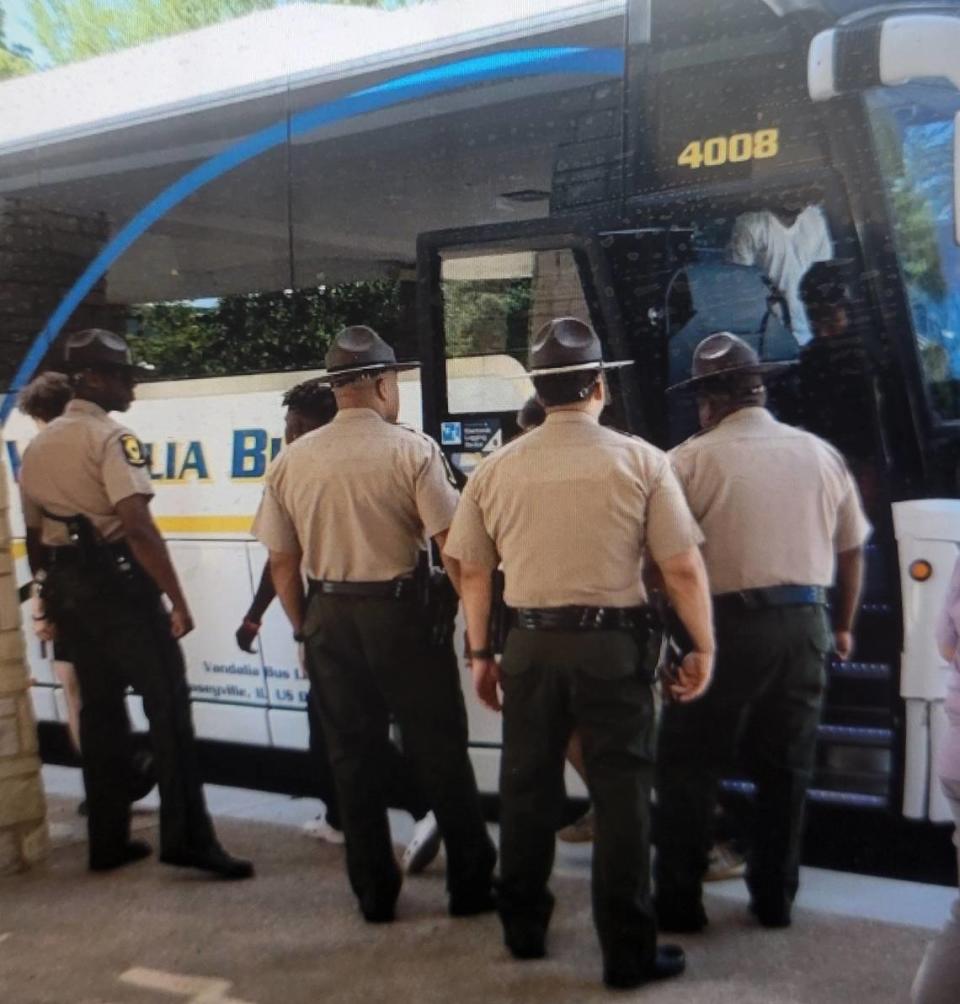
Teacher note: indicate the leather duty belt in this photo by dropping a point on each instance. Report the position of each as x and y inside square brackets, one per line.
[772, 596]
[68, 554]
[584, 618]
[393, 589]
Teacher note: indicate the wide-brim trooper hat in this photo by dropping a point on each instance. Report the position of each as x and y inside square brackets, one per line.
[96, 348]
[357, 351]
[566, 345]
[725, 355]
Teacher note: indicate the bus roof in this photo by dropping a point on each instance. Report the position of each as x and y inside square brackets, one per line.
[260, 54]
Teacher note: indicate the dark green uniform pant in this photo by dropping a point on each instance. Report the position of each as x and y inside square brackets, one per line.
[598, 683]
[368, 658]
[763, 706]
[120, 636]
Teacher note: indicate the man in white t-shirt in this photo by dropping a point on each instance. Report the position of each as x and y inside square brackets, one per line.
[784, 241]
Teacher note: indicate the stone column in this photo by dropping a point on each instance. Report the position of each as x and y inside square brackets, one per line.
[23, 811]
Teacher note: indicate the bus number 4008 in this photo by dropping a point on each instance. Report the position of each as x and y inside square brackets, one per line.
[736, 149]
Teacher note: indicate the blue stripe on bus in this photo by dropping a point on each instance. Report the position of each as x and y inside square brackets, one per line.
[573, 60]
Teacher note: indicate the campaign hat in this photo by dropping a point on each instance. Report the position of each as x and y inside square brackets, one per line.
[723, 355]
[358, 350]
[566, 345]
[97, 348]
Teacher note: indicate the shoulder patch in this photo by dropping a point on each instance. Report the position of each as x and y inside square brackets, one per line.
[133, 450]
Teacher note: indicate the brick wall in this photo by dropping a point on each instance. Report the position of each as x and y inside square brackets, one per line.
[23, 827]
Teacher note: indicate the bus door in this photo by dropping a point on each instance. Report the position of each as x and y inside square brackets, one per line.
[732, 261]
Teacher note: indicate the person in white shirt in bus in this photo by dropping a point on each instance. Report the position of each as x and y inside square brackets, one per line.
[784, 240]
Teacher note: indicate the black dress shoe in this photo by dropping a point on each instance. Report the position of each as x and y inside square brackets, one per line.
[380, 914]
[136, 850]
[214, 859]
[670, 961]
[772, 915]
[525, 942]
[472, 904]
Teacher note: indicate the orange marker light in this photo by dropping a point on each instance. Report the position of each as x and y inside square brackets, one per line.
[920, 570]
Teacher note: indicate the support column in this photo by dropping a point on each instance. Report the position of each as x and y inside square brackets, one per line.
[23, 810]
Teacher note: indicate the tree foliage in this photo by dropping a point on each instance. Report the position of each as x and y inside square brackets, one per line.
[256, 332]
[490, 316]
[71, 30]
[13, 60]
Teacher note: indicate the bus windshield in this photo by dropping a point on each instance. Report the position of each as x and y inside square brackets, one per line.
[913, 129]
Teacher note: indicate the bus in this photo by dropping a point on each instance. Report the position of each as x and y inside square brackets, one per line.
[647, 165]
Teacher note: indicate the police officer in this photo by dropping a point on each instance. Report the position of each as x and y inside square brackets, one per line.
[570, 509]
[86, 492]
[356, 502]
[781, 515]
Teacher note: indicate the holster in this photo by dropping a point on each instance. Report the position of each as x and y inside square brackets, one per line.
[93, 555]
[437, 601]
[678, 645]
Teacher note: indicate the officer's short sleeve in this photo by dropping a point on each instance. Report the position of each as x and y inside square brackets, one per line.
[436, 494]
[273, 525]
[468, 539]
[123, 467]
[671, 528]
[853, 527]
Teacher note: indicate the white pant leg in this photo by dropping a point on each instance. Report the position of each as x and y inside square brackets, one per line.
[938, 979]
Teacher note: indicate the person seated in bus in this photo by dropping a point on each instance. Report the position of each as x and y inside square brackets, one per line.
[784, 240]
[938, 979]
[44, 399]
[311, 405]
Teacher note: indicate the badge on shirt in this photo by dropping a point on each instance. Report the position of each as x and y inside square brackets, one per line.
[133, 450]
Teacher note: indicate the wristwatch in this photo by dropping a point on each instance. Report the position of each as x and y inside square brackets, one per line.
[481, 653]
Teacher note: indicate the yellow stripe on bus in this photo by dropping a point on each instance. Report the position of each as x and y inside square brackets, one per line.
[204, 524]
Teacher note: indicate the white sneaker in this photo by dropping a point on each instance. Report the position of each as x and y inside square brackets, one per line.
[424, 845]
[724, 863]
[320, 829]
[580, 831]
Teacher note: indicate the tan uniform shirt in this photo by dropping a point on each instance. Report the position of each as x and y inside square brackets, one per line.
[776, 503]
[357, 497]
[570, 508]
[81, 463]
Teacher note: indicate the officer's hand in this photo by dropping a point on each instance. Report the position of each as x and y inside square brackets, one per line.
[245, 636]
[181, 623]
[486, 677]
[693, 677]
[843, 644]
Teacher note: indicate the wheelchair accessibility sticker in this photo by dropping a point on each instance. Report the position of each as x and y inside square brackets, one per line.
[451, 433]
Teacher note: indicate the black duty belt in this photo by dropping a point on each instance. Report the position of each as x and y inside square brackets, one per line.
[68, 555]
[584, 618]
[394, 589]
[771, 596]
